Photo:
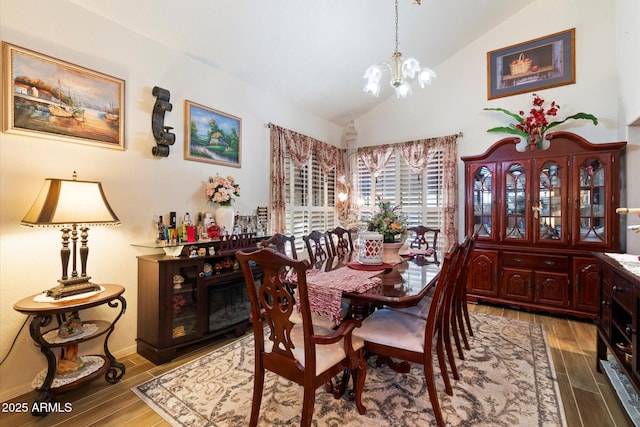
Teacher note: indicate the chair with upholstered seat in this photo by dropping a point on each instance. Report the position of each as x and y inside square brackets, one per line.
[395, 334]
[279, 241]
[455, 307]
[341, 241]
[420, 242]
[304, 353]
[462, 311]
[318, 246]
[319, 250]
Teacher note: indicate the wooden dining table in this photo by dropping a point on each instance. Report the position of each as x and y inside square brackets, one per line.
[400, 285]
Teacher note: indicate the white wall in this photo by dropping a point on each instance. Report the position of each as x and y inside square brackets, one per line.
[628, 68]
[136, 184]
[455, 101]
[628, 60]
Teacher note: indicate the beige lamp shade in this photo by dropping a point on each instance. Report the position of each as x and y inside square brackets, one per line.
[65, 202]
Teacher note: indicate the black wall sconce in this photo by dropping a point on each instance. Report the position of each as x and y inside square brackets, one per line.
[161, 133]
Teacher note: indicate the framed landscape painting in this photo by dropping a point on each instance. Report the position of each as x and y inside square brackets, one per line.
[51, 98]
[212, 136]
[537, 64]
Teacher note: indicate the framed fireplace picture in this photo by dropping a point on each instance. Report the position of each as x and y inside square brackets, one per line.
[51, 98]
[533, 65]
[212, 136]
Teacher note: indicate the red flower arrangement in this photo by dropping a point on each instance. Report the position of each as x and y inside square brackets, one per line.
[536, 123]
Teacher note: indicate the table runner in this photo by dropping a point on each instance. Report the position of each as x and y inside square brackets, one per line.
[325, 288]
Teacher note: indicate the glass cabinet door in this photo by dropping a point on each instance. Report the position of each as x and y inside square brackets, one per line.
[184, 303]
[516, 202]
[482, 201]
[592, 201]
[548, 208]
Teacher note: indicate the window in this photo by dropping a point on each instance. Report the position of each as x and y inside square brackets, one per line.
[310, 199]
[421, 196]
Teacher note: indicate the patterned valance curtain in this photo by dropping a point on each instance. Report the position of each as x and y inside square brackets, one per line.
[375, 157]
[300, 147]
[417, 155]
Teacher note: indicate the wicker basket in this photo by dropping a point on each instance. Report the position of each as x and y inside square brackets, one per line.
[521, 65]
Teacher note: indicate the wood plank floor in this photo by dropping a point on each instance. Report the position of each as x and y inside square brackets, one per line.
[588, 399]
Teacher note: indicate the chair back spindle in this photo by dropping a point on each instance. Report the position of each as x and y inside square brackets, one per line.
[421, 241]
[318, 246]
[281, 241]
[341, 241]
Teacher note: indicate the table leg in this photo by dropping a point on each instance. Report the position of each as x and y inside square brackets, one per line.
[116, 370]
[360, 310]
[41, 321]
[400, 367]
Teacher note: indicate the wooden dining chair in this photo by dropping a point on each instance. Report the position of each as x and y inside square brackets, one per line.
[458, 298]
[279, 241]
[318, 247]
[319, 250]
[304, 353]
[421, 242]
[455, 305]
[395, 334]
[460, 315]
[464, 279]
[341, 241]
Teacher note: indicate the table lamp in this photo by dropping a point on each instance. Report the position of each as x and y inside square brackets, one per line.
[71, 204]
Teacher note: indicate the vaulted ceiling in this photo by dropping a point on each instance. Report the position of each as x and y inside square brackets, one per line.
[311, 52]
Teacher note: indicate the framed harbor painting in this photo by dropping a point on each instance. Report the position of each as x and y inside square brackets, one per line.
[541, 63]
[212, 136]
[51, 98]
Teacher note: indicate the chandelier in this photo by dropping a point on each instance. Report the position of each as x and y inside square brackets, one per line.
[401, 69]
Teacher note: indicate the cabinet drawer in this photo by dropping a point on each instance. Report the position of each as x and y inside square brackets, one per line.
[538, 262]
[622, 291]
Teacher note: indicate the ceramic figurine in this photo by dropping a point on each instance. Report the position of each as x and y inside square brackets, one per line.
[72, 326]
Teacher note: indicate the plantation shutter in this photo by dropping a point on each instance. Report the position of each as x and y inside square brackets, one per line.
[433, 192]
[310, 199]
[420, 195]
[411, 193]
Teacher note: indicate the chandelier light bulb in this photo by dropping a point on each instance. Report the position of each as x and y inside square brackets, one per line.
[373, 74]
[403, 90]
[425, 76]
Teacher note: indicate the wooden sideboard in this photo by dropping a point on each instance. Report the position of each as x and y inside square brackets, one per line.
[539, 215]
[618, 319]
[184, 300]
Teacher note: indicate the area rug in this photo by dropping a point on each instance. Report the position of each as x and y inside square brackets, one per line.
[506, 379]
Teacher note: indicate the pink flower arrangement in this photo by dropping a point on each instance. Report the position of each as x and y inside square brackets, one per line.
[222, 190]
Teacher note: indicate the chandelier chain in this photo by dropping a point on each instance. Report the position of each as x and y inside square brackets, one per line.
[397, 25]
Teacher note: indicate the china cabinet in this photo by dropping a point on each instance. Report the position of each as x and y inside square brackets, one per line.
[188, 299]
[538, 215]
